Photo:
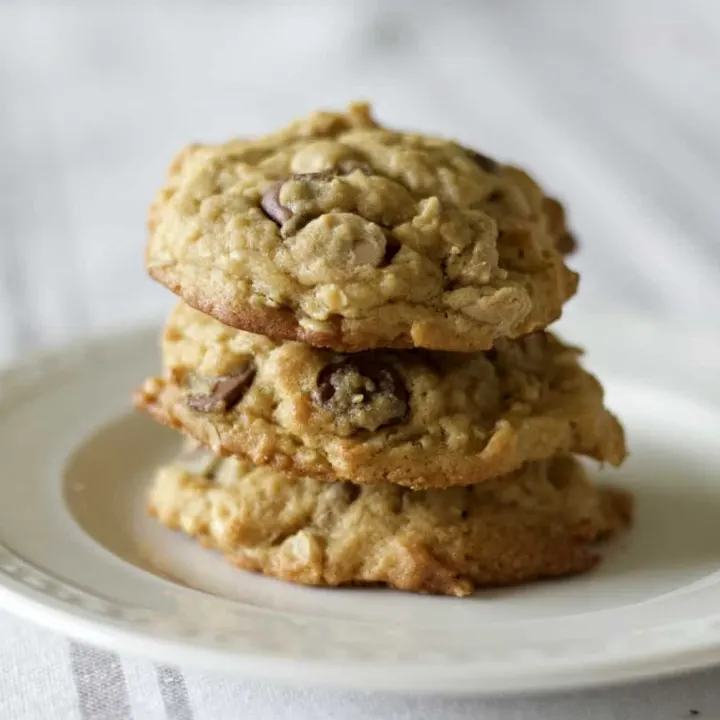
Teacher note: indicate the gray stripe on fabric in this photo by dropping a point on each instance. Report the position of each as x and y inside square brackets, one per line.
[173, 691]
[100, 684]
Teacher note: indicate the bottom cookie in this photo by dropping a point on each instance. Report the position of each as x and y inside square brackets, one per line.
[540, 522]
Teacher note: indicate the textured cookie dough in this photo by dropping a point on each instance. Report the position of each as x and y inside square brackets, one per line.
[343, 234]
[415, 417]
[539, 522]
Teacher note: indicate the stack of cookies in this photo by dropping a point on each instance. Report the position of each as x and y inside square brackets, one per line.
[360, 363]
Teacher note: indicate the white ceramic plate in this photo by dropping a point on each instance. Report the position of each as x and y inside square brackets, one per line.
[78, 554]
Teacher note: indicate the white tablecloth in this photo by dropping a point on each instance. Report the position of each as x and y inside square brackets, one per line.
[615, 105]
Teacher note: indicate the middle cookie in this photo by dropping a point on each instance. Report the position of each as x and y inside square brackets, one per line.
[417, 418]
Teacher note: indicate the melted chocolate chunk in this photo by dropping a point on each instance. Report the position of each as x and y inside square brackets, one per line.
[567, 244]
[352, 492]
[392, 248]
[363, 390]
[270, 203]
[226, 393]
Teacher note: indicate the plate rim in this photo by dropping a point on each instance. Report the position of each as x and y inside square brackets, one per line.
[467, 679]
[471, 678]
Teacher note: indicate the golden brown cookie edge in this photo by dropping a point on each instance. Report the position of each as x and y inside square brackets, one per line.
[508, 449]
[434, 333]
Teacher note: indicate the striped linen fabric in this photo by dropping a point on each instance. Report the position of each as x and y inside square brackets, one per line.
[614, 105]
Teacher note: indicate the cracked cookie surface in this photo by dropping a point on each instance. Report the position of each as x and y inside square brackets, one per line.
[541, 521]
[340, 233]
[418, 418]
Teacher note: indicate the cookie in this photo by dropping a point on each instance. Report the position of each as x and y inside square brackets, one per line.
[540, 522]
[340, 233]
[415, 417]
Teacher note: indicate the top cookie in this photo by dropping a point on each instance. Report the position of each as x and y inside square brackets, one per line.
[339, 233]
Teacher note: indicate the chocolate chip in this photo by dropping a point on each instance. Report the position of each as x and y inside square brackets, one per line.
[555, 214]
[567, 244]
[324, 393]
[397, 501]
[392, 248]
[352, 492]
[362, 390]
[270, 203]
[485, 162]
[278, 213]
[227, 392]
